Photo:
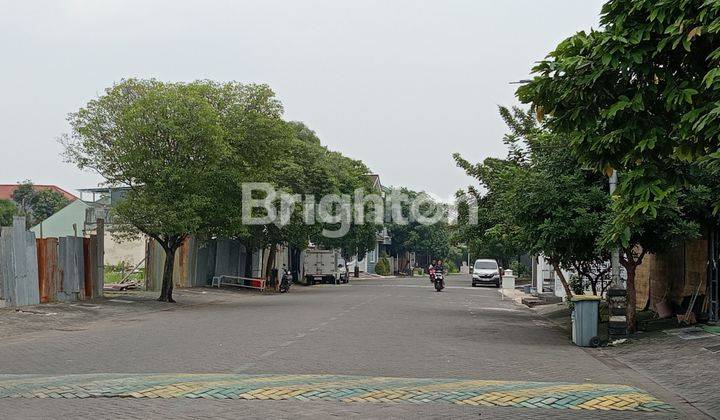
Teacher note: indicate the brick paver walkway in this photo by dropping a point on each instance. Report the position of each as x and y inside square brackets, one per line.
[335, 388]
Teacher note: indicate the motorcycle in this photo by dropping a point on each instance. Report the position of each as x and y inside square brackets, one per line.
[439, 281]
[285, 281]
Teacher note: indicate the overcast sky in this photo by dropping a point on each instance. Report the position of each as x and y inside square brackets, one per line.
[400, 84]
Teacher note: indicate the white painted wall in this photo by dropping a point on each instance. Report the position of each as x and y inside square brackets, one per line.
[546, 273]
[130, 252]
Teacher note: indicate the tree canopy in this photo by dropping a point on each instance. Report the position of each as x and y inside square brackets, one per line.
[8, 209]
[37, 205]
[640, 95]
[541, 199]
[434, 240]
[184, 150]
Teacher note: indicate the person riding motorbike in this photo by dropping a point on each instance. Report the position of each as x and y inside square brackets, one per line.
[439, 268]
[431, 271]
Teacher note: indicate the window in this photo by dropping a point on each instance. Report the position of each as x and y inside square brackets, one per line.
[486, 265]
[372, 255]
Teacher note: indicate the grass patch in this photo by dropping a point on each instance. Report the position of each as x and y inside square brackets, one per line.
[112, 275]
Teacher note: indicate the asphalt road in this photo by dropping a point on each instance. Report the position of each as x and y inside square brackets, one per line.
[371, 328]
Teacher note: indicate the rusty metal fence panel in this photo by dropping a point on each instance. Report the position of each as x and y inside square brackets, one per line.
[48, 270]
[195, 262]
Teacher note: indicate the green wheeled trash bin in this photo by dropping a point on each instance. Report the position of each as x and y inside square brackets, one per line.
[585, 320]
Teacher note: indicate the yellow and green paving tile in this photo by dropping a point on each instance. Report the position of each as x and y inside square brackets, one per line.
[349, 389]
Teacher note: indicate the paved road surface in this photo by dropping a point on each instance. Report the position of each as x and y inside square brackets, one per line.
[372, 342]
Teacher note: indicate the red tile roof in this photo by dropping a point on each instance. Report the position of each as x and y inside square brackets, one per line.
[6, 191]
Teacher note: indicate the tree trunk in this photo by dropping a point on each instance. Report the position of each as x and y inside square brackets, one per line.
[268, 268]
[593, 284]
[563, 280]
[167, 283]
[631, 296]
[631, 263]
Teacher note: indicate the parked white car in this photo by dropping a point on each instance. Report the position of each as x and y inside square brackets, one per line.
[486, 272]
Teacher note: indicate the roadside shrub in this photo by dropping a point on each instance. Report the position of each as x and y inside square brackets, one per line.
[383, 267]
[519, 269]
[576, 285]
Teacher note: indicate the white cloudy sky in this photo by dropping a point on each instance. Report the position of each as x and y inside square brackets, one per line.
[400, 84]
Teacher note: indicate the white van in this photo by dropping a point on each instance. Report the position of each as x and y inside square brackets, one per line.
[486, 272]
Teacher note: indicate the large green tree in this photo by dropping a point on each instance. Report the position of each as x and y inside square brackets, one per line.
[37, 204]
[348, 177]
[413, 232]
[183, 149]
[543, 199]
[308, 168]
[46, 203]
[640, 95]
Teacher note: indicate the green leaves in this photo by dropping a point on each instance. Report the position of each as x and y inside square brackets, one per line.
[8, 209]
[182, 148]
[545, 203]
[36, 204]
[623, 103]
[711, 77]
[641, 95]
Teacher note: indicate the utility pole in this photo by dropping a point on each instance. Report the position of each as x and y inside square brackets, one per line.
[615, 256]
[616, 293]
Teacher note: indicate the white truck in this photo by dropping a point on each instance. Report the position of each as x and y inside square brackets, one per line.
[324, 266]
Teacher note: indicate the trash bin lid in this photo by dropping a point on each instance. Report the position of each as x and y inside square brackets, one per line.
[584, 298]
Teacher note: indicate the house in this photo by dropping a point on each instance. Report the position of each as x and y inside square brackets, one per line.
[6, 191]
[372, 257]
[369, 261]
[79, 218]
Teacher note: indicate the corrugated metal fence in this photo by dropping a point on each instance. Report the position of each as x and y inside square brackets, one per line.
[49, 269]
[196, 262]
[18, 265]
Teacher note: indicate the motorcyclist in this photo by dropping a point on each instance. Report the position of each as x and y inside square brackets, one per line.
[431, 271]
[439, 268]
